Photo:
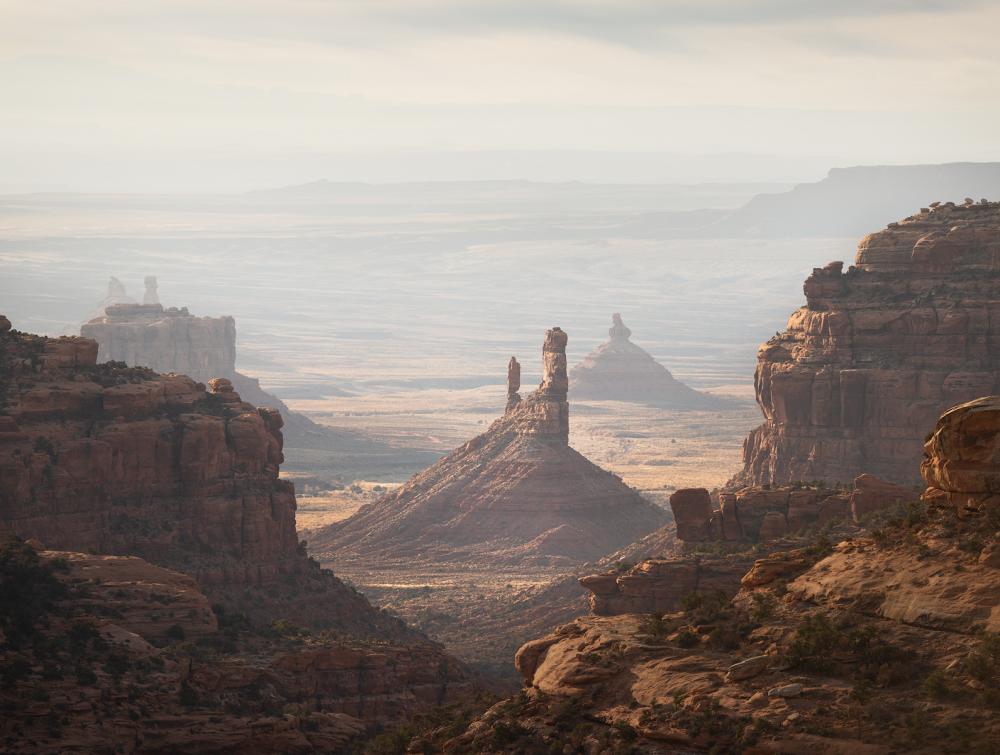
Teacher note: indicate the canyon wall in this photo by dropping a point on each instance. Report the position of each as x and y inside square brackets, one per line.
[121, 460]
[880, 350]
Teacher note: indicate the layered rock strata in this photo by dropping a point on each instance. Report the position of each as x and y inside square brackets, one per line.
[619, 370]
[881, 643]
[171, 339]
[107, 669]
[517, 492]
[118, 460]
[658, 585]
[160, 475]
[880, 350]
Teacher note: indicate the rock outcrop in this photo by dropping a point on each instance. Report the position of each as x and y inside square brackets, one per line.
[172, 489]
[879, 351]
[124, 461]
[659, 585]
[515, 493]
[888, 641]
[107, 667]
[171, 339]
[619, 370]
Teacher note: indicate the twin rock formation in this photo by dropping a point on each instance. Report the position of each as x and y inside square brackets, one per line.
[879, 351]
[515, 494]
[171, 339]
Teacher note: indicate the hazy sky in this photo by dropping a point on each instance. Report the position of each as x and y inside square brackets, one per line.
[240, 94]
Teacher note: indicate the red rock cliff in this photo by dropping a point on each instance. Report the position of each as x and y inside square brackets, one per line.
[879, 351]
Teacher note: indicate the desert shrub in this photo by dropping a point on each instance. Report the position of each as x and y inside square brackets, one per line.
[175, 633]
[936, 685]
[654, 625]
[687, 639]
[29, 589]
[85, 675]
[625, 730]
[983, 665]
[187, 697]
[14, 670]
[815, 641]
[762, 606]
[395, 742]
[44, 445]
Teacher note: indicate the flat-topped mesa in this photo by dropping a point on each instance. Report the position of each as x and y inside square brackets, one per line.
[165, 339]
[880, 350]
[171, 339]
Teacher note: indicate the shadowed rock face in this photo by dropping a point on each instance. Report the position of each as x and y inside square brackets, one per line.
[122, 460]
[515, 493]
[159, 475]
[879, 351]
[618, 370]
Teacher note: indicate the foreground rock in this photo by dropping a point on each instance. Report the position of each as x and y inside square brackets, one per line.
[618, 370]
[765, 514]
[160, 475]
[100, 658]
[515, 494]
[885, 643]
[879, 351]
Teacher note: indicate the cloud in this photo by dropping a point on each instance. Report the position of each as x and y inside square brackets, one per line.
[854, 78]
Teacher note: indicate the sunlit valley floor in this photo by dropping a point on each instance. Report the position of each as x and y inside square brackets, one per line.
[480, 613]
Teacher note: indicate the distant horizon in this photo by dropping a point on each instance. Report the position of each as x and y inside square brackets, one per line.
[8, 189]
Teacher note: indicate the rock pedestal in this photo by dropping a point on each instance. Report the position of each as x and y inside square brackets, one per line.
[514, 494]
[619, 370]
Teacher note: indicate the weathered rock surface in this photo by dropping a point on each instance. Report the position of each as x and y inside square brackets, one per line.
[658, 585]
[879, 351]
[757, 514]
[619, 370]
[884, 643]
[962, 455]
[107, 669]
[517, 492]
[123, 461]
[172, 340]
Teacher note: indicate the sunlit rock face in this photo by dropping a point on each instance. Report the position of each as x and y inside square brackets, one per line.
[619, 370]
[515, 494]
[171, 339]
[880, 350]
[165, 339]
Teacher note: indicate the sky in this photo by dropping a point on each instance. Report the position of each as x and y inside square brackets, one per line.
[234, 95]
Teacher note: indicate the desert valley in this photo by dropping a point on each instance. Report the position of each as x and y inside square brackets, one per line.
[564, 377]
[660, 571]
